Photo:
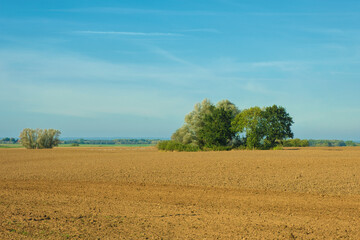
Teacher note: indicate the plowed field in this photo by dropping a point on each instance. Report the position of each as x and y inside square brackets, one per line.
[140, 193]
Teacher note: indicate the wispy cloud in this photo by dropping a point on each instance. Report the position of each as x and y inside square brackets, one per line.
[128, 33]
[115, 10]
[270, 14]
[170, 56]
[282, 65]
[204, 30]
[69, 79]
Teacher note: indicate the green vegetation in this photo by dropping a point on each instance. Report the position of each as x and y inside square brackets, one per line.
[106, 145]
[332, 143]
[208, 126]
[296, 143]
[11, 145]
[8, 140]
[113, 142]
[39, 138]
[170, 145]
[223, 127]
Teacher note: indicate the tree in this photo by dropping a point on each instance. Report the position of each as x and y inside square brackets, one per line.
[228, 106]
[216, 129]
[39, 138]
[48, 138]
[189, 133]
[278, 125]
[183, 135]
[28, 138]
[252, 122]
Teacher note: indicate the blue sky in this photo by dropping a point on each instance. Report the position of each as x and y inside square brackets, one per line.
[135, 68]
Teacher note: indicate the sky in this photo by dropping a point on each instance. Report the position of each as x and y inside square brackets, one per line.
[136, 68]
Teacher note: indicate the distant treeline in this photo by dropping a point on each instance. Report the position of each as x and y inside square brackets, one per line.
[296, 142]
[332, 143]
[286, 143]
[318, 143]
[9, 140]
[115, 141]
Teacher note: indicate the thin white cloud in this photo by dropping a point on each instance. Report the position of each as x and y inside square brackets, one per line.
[115, 10]
[270, 14]
[168, 55]
[204, 30]
[282, 65]
[128, 33]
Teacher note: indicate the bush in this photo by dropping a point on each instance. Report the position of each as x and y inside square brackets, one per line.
[171, 145]
[75, 145]
[296, 143]
[39, 138]
[278, 147]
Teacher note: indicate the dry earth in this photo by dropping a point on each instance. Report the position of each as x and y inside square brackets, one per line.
[140, 193]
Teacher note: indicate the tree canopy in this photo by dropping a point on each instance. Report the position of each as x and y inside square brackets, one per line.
[39, 138]
[204, 125]
[252, 123]
[224, 125]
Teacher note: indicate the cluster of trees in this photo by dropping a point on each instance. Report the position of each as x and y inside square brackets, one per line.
[39, 138]
[224, 126]
[115, 141]
[8, 140]
[331, 143]
[296, 143]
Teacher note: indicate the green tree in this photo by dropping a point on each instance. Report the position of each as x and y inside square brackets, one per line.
[39, 138]
[188, 133]
[252, 122]
[216, 129]
[350, 143]
[228, 106]
[48, 138]
[278, 125]
[183, 135]
[28, 138]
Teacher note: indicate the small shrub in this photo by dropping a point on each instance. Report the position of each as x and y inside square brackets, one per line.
[278, 147]
[75, 145]
[170, 145]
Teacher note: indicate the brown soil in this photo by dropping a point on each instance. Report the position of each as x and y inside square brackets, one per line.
[140, 193]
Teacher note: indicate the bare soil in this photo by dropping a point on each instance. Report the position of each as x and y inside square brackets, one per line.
[141, 193]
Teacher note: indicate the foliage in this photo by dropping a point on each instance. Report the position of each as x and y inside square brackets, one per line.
[264, 128]
[195, 129]
[11, 145]
[216, 129]
[211, 126]
[39, 138]
[296, 143]
[278, 147]
[351, 143]
[114, 141]
[277, 125]
[194, 121]
[184, 135]
[170, 145]
[8, 140]
[251, 122]
[331, 143]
